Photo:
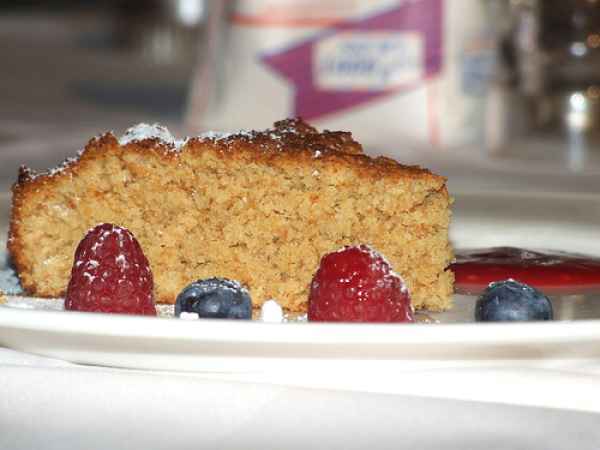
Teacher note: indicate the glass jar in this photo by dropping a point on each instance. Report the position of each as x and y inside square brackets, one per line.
[552, 92]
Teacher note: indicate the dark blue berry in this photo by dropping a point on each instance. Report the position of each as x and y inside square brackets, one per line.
[512, 301]
[215, 298]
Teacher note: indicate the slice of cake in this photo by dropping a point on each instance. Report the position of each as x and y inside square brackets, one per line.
[257, 207]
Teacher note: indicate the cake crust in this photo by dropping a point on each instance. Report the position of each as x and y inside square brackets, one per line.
[281, 186]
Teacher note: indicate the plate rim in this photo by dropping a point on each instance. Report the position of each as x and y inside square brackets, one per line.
[251, 331]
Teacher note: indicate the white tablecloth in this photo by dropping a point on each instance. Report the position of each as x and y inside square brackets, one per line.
[51, 404]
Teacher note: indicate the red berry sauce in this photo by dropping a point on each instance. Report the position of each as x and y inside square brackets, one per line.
[552, 272]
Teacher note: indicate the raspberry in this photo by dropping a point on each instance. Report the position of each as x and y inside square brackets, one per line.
[356, 284]
[110, 274]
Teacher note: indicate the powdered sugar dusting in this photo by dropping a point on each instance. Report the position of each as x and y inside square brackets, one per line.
[271, 312]
[215, 135]
[122, 261]
[89, 277]
[143, 131]
[223, 137]
[67, 162]
[9, 282]
[270, 139]
[29, 173]
[48, 304]
[189, 315]
[213, 284]
[379, 263]
[179, 143]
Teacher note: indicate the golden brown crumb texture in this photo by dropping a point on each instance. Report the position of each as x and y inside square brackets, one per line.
[260, 207]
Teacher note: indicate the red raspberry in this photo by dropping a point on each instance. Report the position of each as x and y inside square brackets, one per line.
[110, 274]
[356, 284]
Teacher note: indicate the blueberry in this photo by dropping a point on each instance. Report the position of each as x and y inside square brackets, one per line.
[215, 298]
[512, 301]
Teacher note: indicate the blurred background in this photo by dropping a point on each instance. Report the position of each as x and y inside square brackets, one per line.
[70, 70]
[495, 94]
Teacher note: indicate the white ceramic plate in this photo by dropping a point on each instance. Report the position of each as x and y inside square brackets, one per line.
[240, 346]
